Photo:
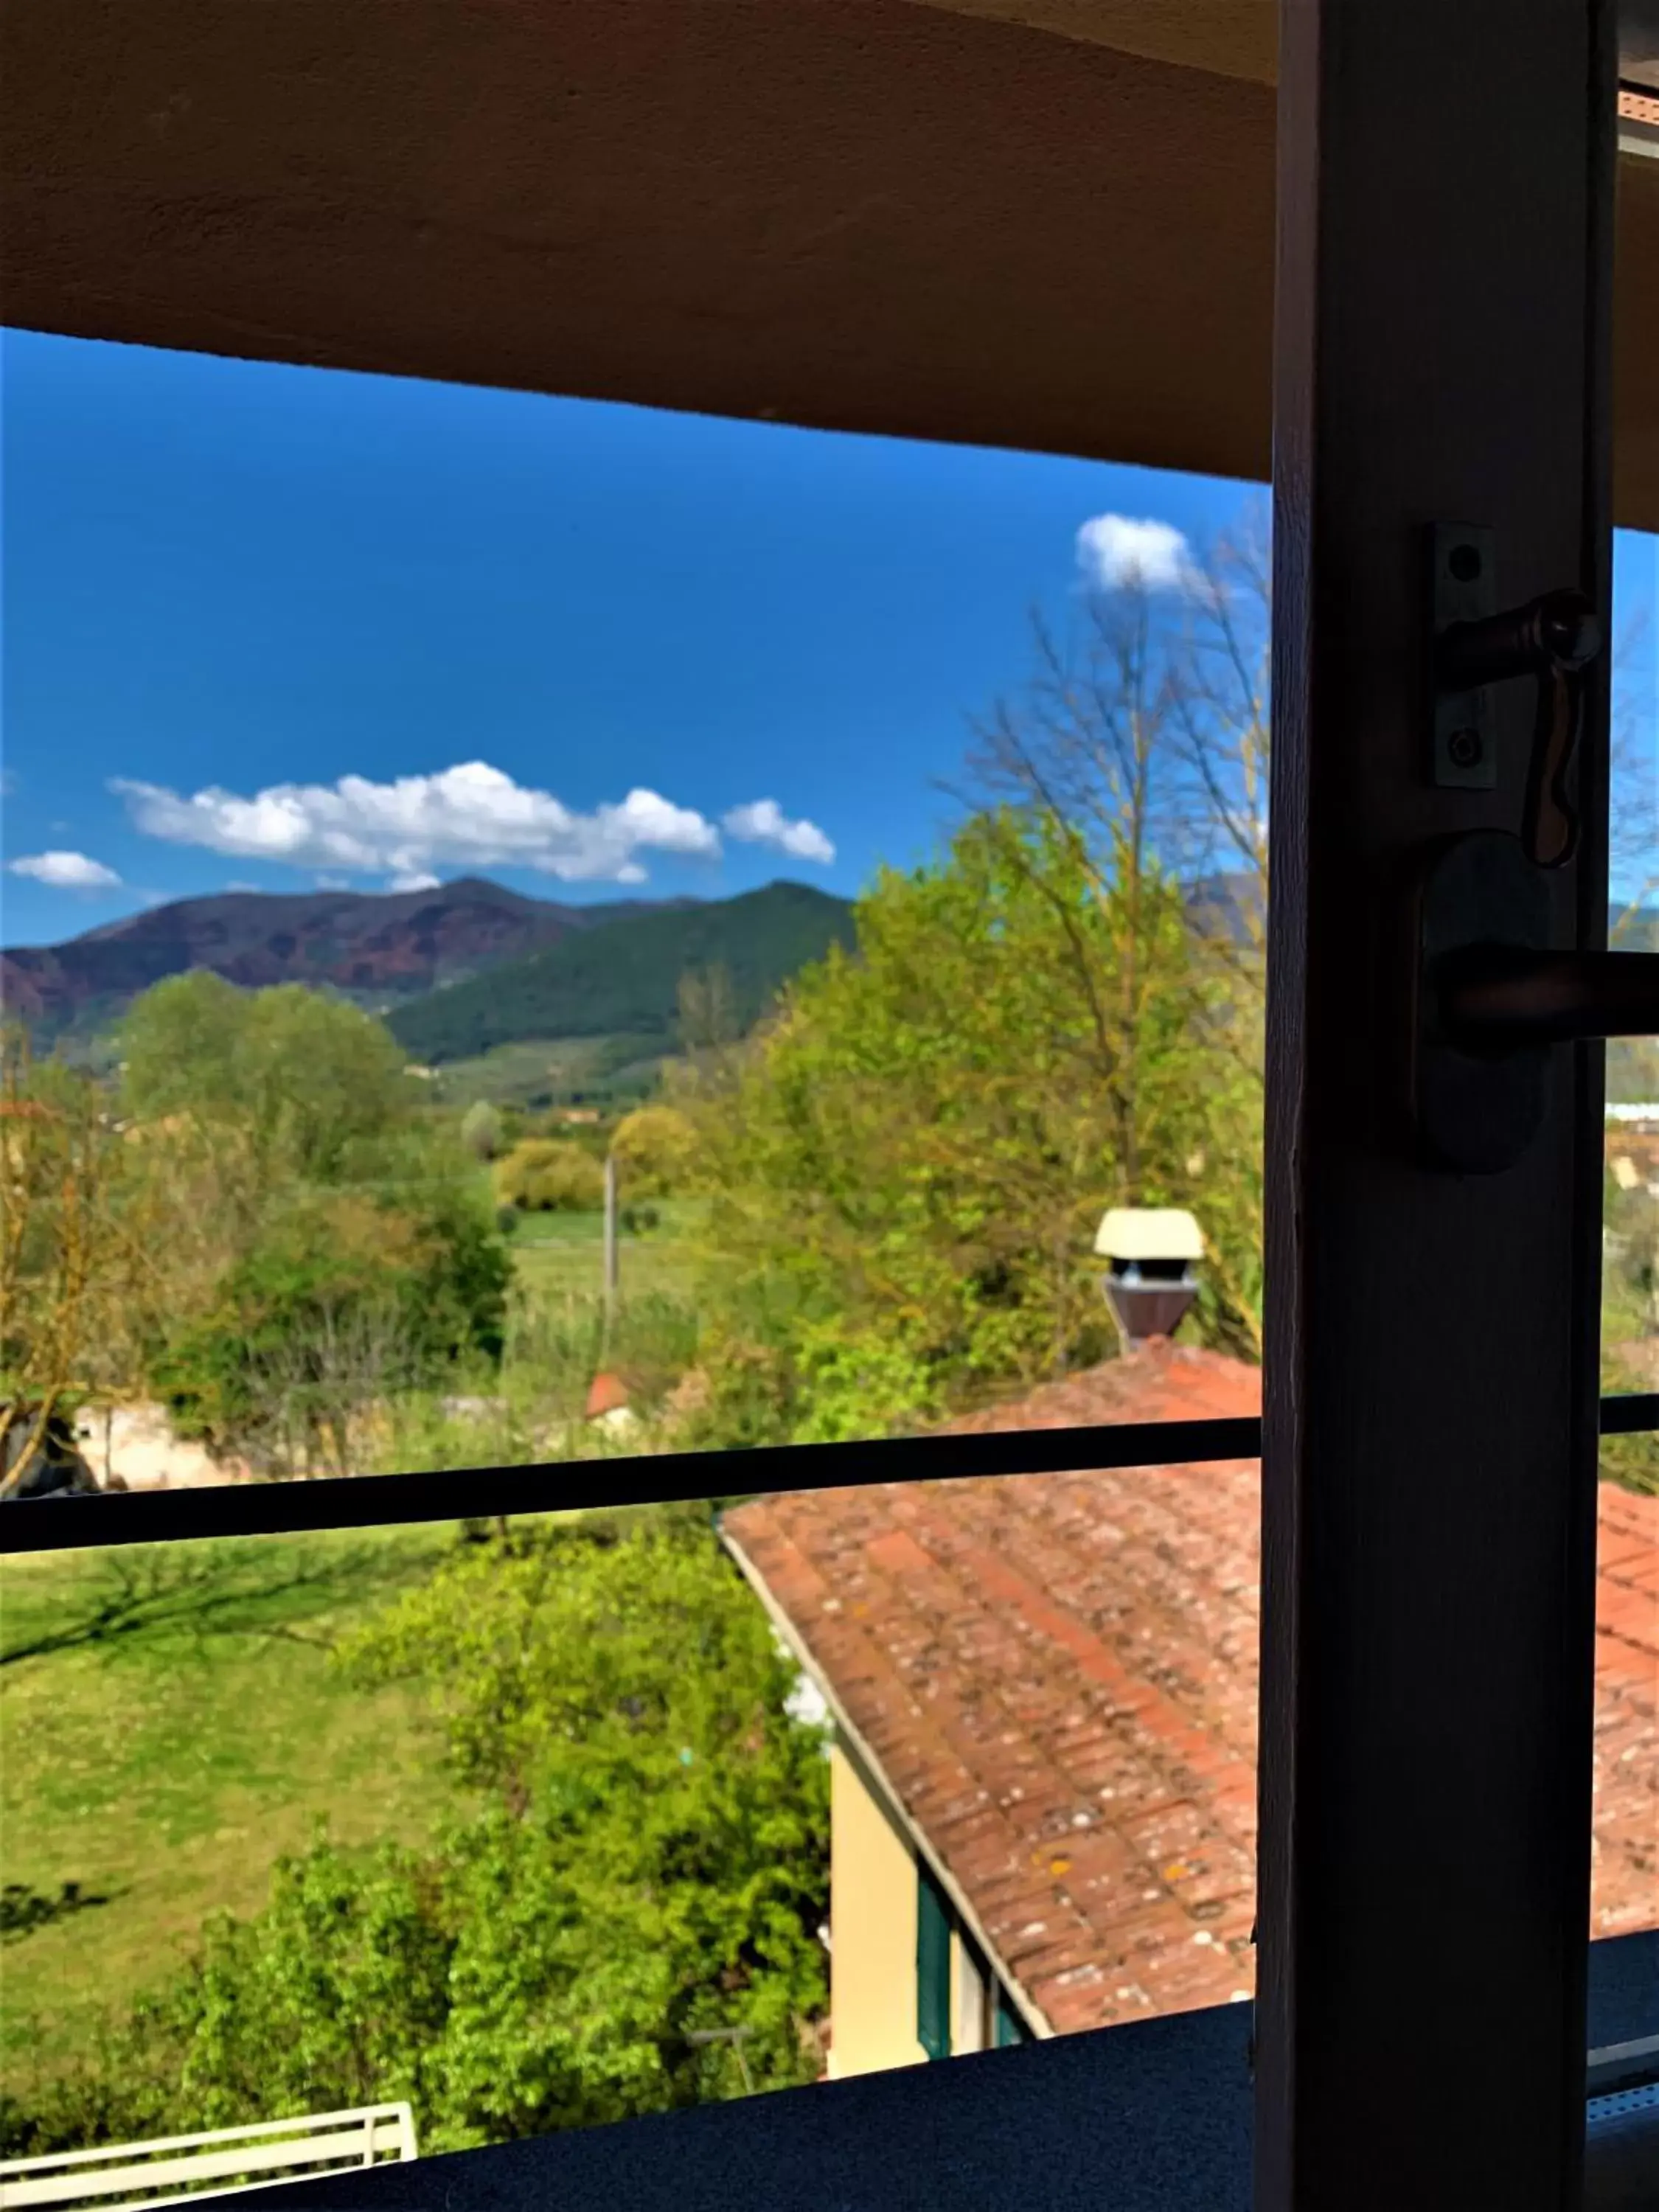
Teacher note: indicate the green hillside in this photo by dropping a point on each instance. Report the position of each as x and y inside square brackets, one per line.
[623, 977]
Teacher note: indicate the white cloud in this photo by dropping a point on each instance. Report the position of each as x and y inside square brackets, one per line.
[66, 872]
[763, 821]
[471, 816]
[1117, 550]
[423, 881]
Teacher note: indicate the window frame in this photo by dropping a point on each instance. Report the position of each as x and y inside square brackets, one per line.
[1341, 74]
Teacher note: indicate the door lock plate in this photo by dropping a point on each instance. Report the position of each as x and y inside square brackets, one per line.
[1463, 587]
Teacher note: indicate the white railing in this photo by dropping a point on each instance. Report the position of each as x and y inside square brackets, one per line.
[279, 2151]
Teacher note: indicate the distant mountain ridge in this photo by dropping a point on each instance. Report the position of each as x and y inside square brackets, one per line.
[623, 978]
[377, 946]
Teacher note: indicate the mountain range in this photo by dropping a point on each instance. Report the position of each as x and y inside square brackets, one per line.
[376, 947]
[456, 971]
[623, 978]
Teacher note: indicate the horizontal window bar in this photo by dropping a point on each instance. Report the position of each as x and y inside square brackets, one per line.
[269, 1509]
[1627, 1414]
[262, 1509]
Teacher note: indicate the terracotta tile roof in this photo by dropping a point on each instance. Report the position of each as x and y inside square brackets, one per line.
[1056, 1675]
[1625, 1866]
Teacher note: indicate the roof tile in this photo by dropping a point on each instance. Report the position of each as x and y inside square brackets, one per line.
[1057, 1674]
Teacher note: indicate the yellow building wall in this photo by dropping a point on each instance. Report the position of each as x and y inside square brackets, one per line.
[872, 1957]
[873, 1928]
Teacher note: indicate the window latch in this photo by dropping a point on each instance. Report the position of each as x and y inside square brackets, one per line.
[1495, 992]
[1553, 639]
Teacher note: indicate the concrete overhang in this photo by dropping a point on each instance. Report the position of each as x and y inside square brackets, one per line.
[1039, 223]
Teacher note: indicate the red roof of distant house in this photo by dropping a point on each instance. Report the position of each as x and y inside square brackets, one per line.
[1056, 1675]
[606, 1394]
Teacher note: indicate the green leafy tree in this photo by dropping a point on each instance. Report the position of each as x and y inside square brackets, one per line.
[655, 1147]
[647, 1860]
[309, 1080]
[544, 1174]
[482, 1129]
[335, 1995]
[322, 1250]
[907, 1168]
[341, 1300]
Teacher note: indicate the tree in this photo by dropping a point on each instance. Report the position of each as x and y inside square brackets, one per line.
[646, 1861]
[73, 1250]
[335, 1995]
[543, 1176]
[322, 1251]
[482, 1129]
[1141, 741]
[341, 1300]
[907, 1168]
[309, 1081]
[655, 1147]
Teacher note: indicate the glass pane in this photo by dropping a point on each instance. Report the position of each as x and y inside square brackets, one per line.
[542, 1825]
[686, 1775]
[1625, 1866]
[1631, 1282]
[431, 810]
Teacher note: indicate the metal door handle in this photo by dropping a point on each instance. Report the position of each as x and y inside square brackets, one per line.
[1498, 998]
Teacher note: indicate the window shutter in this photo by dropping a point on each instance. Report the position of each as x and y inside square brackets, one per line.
[933, 1966]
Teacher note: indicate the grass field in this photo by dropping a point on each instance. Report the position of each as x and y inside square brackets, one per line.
[169, 1725]
[541, 1072]
[561, 1255]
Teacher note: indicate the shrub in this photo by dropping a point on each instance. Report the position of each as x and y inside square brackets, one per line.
[546, 1176]
[342, 1301]
[481, 1129]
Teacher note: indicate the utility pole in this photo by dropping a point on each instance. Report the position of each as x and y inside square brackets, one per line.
[610, 1243]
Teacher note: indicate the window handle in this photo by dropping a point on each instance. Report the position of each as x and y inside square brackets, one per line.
[1554, 638]
[1498, 998]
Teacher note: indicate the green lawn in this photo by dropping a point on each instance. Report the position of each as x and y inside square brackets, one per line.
[169, 1724]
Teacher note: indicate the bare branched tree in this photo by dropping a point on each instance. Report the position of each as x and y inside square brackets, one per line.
[315, 1387]
[1088, 748]
[70, 1257]
[1220, 660]
[1634, 824]
[1142, 742]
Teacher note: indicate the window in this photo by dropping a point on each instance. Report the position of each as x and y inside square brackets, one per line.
[1010, 2027]
[932, 1965]
[1430, 1438]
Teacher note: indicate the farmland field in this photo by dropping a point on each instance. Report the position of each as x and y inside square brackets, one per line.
[540, 1072]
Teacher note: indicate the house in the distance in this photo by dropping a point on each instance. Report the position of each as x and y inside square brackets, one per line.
[1043, 1690]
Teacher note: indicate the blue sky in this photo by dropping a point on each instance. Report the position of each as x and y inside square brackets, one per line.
[263, 623]
[224, 578]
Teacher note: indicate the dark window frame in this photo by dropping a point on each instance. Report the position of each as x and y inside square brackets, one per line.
[1343, 63]
[289, 1508]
